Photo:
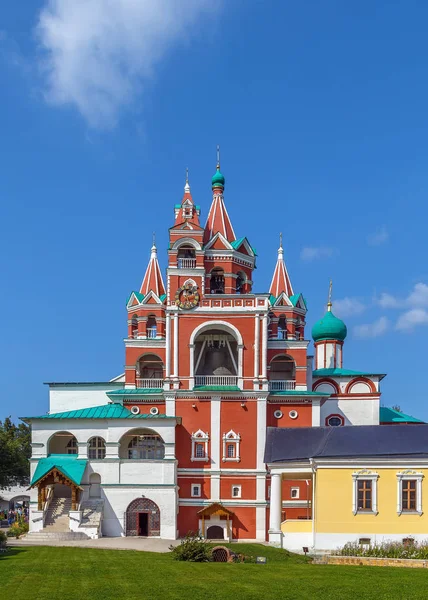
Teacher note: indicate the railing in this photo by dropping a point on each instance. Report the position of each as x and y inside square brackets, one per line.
[186, 263]
[151, 332]
[222, 380]
[149, 383]
[282, 385]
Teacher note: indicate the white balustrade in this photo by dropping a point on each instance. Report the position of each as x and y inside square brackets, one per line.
[222, 380]
[149, 383]
[282, 385]
[186, 263]
[151, 332]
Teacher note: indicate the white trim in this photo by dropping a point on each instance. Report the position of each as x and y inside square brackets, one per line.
[359, 476]
[199, 437]
[411, 475]
[257, 346]
[215, 431]
[231, 438]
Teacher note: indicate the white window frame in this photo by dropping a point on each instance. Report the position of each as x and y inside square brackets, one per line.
[231, 438]
[200, 437]
[295, 489]
[412, 476]
[357, 476]
[239, 488]
[195, 485]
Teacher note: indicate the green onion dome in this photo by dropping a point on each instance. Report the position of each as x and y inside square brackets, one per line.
[329, 328]
[218, 178]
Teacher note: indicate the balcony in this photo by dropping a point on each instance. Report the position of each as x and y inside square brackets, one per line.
[149, 384]
[186, 263]
[151, 332]
[284, 385]
[216, 380]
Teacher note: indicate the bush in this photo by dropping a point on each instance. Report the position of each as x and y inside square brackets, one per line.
[3, 540]
[388, 549]
[18, 528]
[192, 549]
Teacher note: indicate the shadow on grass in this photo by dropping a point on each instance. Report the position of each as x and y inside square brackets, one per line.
[10, 552]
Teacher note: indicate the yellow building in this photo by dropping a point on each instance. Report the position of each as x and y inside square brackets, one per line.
[369, 484]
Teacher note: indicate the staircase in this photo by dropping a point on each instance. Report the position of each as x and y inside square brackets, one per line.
[57, 523]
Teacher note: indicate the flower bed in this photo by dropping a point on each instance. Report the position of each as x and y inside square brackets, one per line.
[410, 549]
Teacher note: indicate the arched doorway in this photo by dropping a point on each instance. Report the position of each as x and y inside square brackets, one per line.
[95, 485]
[143, 518]
[215, 532]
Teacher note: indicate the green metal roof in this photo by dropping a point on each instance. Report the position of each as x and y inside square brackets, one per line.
[389, 415]
[329, 328]
[217, 388]
[298, 393]
[162, 298]
[140, 297]
[236, 243]
[295, 298]
[341, 373]
[218, 178]
[107, 411]
[68, 464]
[134, 392]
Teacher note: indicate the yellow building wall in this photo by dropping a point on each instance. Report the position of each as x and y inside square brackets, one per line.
[296, 526]
[333, 504]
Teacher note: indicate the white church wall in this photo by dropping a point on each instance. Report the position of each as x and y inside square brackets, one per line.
[72, 397]
[356, 411]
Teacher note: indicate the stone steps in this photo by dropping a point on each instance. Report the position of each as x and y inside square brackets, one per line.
[55, 535]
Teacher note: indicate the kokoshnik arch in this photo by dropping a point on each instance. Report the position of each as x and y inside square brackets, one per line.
[177, 442]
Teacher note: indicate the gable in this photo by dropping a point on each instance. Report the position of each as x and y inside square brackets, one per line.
[218, 242]
[283, 300]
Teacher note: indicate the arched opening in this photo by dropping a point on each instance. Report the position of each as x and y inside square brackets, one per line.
[215, 532]
[217, 281]
[282, 373]
[142, 518]
[63, 442]
[151, 327]
[240, 282]
[97, 448]
[134, 327]
[149, 372]
[142, 444]
[95, 485]
[216, 358]
[186, 257]
[282, 328]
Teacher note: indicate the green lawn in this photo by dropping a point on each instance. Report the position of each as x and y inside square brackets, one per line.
[80, 573]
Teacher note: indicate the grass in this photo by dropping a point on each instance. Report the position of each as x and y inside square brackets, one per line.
[80, 573]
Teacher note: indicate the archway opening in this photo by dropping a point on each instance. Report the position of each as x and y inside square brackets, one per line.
[216, 358]
[282, 373]
[142, 444]
[217, 281]
[149, 372]
[142, 518]
[95, 485]
[63, 442]
[186, 257]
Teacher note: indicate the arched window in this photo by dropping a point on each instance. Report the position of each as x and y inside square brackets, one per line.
[151, 328]
[240, 282]
[149, 372]
[282, 376]
[94, 485]
[186, 257]
[282, 328]
[72, 446]
[231, 447]
[148, 446]
[217, 281]
[134, 326]
[97, 448]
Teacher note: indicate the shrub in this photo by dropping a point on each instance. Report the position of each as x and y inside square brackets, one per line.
[3, 540]
[193, 548]
[19, 527]
[387, 549]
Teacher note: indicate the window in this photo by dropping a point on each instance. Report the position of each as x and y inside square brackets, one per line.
[335, 421]
[236, 491]
[97, 448]
[146, 447]
[217, 281]
[231, 446]
[295, 493]
[196, 490]
[364, 492]
[200, 446]
[72, 446]
[409, 492]
[151, 327]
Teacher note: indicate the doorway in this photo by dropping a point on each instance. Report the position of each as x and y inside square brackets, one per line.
[143, 524]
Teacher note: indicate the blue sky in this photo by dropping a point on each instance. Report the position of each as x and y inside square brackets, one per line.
[320, 111]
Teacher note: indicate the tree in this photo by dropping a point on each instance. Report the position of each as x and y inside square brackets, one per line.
[15, 451]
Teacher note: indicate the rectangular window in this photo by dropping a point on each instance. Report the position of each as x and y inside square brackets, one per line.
[196, 490]
[200, 451]
[295, 493]
[231, 451]
[408, 494]
[236, 491]
[364, 493]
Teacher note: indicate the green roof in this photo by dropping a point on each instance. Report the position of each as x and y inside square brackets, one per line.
[236, 243]
[134, 392]
[107, 411]
[329, 328]
[68, 464]
[295, 298]
[140, 297]
[218, 178]
[390, 415]
[297, 393]
[217, 388]
[162, 298]
[339, 373]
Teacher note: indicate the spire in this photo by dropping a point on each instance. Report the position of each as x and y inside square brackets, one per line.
[153, 278]
[329, 303]
[187, 186]
[218, 220]
[280, 280]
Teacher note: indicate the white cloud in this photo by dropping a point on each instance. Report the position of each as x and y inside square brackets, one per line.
[315, 253]
[372, 330]
[418, 298]
[379, 237]
[347, 307]
[99, 54]
[388, 301]
[411, 319]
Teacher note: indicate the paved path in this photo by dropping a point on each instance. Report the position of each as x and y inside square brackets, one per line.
[106, 543]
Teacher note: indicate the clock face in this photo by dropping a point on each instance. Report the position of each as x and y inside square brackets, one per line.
[187, 296]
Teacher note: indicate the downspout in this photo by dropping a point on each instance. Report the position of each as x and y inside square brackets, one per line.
[314, 471]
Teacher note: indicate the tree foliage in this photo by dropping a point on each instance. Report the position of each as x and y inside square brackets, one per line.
[15, 451]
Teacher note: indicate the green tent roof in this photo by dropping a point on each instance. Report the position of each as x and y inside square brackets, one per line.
[236, 243]
[107, 411]
[69, 465]
[389, 415]
[342, 373]
[140, 297]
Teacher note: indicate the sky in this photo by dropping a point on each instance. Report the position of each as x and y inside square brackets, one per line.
[320, 110]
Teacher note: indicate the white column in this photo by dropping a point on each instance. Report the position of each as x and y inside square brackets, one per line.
[168, 345]
[192, 366]
[176, 345]
[261, 433]
[256, 346]
[264, 346]
[275, 534]
[316, 412]
[215, 437]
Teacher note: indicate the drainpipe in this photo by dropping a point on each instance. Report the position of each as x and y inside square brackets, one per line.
[314, 470]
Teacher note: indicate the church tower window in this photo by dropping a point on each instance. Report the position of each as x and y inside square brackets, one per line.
[217, 281]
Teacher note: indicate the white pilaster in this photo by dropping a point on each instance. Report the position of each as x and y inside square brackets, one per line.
[215, 437]
[169, 405]
[316, 412]
[261, 433]
[168, 346]
[264, 346]
[256, 346]
[275, 534]
[175, 358]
